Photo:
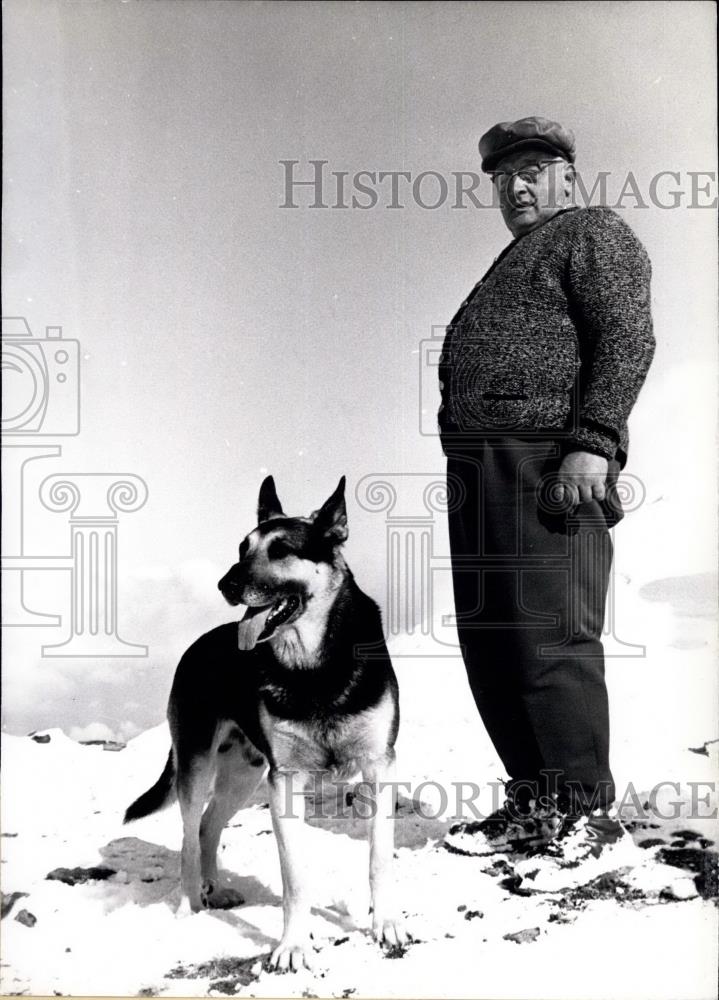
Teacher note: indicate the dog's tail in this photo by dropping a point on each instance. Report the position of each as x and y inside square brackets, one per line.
[160, 795]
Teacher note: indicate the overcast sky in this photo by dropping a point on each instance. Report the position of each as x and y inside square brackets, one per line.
[223, 336]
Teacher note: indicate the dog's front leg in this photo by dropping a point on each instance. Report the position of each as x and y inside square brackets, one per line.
[387, 923]
[287, 805]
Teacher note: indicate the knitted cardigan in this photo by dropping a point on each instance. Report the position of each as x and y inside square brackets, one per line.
[556, 337]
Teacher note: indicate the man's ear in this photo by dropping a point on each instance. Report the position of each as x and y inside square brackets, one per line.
[331, 518]
[268, 504]
[570, 176]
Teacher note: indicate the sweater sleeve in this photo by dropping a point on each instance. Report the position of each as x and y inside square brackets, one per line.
[609, 289]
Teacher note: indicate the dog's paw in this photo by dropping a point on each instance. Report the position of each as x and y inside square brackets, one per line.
[389, 931]
[222, 897]
[291, 955]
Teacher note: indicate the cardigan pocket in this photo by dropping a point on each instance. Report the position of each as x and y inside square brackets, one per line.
[501, 381]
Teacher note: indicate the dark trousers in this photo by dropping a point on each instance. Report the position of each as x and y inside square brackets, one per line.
[530, 584]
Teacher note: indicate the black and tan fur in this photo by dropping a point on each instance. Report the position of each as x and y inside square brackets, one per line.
[291, 689]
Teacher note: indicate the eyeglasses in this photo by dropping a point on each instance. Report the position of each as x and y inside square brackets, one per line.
[528, 175]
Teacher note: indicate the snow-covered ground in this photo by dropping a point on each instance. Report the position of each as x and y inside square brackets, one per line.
[63, 803]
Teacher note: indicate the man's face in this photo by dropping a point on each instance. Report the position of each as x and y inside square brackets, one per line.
[532, 186]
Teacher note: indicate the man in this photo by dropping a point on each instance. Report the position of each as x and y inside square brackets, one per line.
[540, 369]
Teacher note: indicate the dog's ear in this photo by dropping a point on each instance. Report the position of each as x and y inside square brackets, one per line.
[331, 518]
[268, 505]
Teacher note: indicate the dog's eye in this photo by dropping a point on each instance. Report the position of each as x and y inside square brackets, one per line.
[279, 549]
[243, 549]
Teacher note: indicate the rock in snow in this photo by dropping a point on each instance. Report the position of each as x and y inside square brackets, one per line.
[73, 876]
[8, 901]
[526, 936]
[683, 888]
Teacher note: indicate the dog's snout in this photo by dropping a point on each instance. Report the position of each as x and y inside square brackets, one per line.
[232, 582]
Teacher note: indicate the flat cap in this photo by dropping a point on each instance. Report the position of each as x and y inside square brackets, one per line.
[507, 137]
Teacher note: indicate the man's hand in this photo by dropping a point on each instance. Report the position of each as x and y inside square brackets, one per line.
[582, 477]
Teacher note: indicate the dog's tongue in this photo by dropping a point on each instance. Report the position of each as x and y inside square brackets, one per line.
[251, 625]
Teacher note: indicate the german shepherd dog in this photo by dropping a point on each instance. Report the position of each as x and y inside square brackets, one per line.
[289, 687]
